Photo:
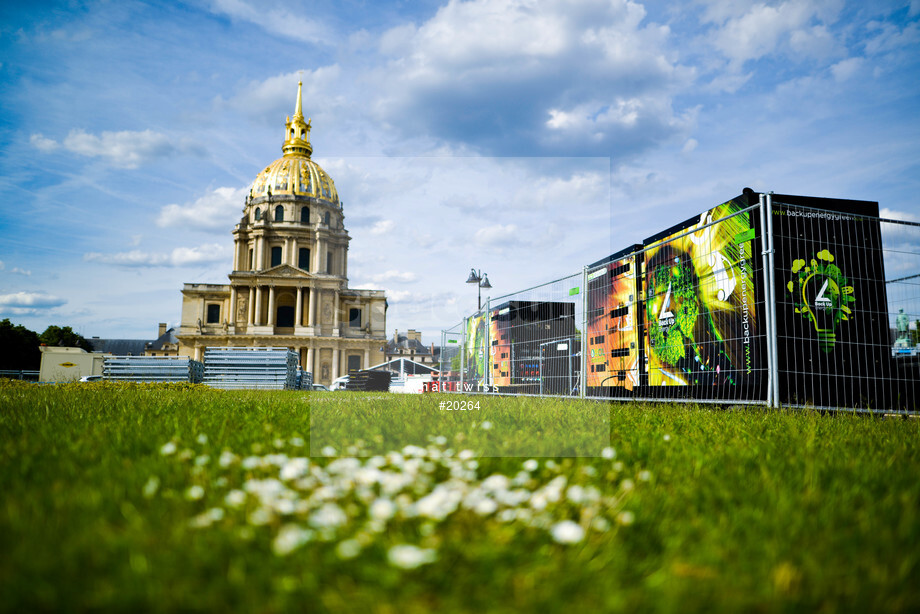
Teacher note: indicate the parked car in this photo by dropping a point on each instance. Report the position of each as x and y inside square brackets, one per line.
[91, 378]
[320, 388]
[340, 383]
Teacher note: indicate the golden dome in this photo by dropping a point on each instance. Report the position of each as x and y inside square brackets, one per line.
[295, 174]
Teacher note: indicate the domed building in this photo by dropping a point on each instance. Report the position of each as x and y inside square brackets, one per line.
[289, 285]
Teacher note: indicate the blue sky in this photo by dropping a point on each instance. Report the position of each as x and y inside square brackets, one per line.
[522, 138]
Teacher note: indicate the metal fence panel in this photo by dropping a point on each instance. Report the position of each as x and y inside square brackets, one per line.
[846, 300]
[773, 299]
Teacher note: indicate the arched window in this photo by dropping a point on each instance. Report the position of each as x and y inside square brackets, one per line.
[279, 213]
[258, 214]
[305, 215]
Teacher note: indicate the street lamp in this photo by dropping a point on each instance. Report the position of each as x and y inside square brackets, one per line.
[482, 281]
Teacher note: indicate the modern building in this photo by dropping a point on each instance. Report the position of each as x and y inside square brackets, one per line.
[289, 284]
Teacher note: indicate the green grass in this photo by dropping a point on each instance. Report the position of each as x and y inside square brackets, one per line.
[736, 509]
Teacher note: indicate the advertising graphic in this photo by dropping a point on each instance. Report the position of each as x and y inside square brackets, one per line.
[821, 295]
[613, 361]
[832, 306]
[475, 349]
[526, 351]
[701, 303]
[500, 346]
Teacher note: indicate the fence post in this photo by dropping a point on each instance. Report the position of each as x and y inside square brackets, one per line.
[771, 276]
[768, 320]
[441, 358]
[583, 374]
[487, 340]
[462, 353]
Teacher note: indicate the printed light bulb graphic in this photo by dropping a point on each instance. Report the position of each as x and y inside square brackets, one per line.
[821, 294]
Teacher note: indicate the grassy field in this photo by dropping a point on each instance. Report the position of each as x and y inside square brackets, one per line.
[135, 498]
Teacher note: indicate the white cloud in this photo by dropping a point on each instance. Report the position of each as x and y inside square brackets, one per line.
[275, 20]
[765, 28]
[394, 275]
[124, 149]
[501, 74]
[178, 257]
[29, 301]
[274, 97]
[15, 270]
[497, 235]
[400, 296]
[42, 144]
[217, 211]
[846, 69]
[893, 214]
[383, 227]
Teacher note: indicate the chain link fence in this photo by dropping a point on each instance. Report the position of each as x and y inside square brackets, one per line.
[764, 299]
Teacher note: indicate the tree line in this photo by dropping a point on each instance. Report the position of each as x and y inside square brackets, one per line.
[19, 345]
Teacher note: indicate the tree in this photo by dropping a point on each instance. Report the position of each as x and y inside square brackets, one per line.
[18, 347]
[64, 337]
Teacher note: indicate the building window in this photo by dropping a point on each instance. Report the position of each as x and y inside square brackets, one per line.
[276, 256]
[213, 314]
[328, 263]
[303, 258]
[250, 259]
[354, 363]
[285, 317]
[354, 318]
[279, 213]
[326, 218]
[305, 215]
[258, 214]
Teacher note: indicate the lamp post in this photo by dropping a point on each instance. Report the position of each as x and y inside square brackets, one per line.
[481, 281]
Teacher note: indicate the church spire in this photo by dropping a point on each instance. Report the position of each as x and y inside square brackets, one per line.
[297, 131]
[298, 108]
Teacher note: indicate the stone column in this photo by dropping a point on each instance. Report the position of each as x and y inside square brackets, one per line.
[318, 257]
[335, 311]
[271, 305]
[250, 312]
[311, 308]
[295, 257]
[309, 366]
[258, 321]
[231, 315]
[367, 358]
[298, 309]
[335, 364]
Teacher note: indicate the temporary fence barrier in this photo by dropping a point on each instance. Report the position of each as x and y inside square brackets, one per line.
[764, 299]
[250, 368]
[27, 375]
[152, 369]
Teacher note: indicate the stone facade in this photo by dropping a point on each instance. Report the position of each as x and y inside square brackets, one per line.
[289, 285]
